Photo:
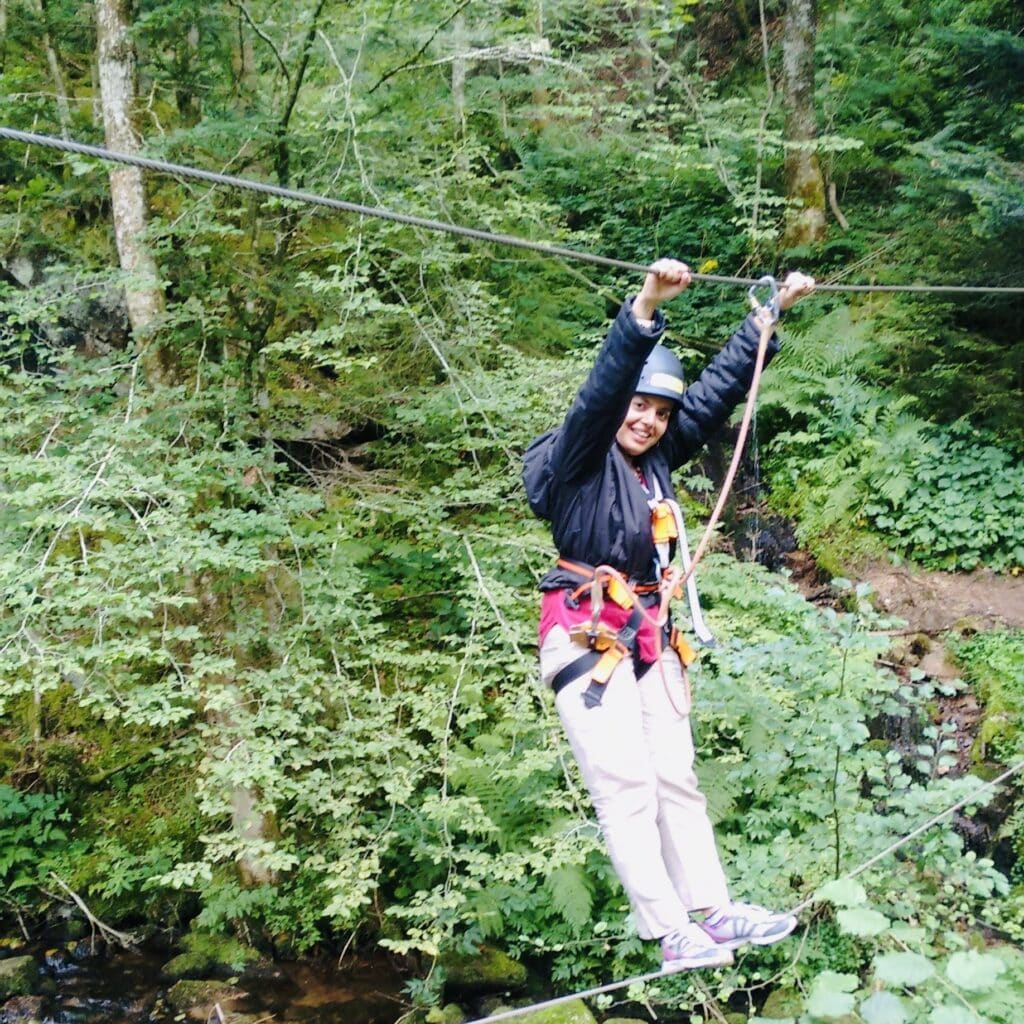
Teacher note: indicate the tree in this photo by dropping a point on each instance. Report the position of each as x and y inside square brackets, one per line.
[117, 73]
[805, 187]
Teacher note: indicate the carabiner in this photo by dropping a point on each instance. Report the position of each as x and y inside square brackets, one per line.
[772, 305]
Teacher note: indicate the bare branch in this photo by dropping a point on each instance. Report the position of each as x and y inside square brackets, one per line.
[123, 939]
[270, 42]
[423, 49]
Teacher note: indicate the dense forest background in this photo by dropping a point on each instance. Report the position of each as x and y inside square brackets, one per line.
[267, 640]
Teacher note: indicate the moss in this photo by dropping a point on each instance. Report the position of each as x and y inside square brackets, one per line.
[783, 1004]
[19, 976]
[202, 995]
[575, 1012]
[486, 970]
[210, 956]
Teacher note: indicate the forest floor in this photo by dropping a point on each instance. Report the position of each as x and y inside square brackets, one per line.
[931, 604]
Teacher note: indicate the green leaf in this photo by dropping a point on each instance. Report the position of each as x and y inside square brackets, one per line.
[570, 894]
[974, 971]
[903, 968]
[952, 1013]
[862, 922]
[883, 1008]
[830, 994]
[843, 892]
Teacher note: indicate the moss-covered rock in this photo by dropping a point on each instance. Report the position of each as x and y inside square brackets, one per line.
[211, 956]
[574, 1012]
[198, 998]
[450, 1014]
[487, 970]
[19, 976]
[783, 1004]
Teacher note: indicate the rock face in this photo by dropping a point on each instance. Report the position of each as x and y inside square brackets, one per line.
[19, 976]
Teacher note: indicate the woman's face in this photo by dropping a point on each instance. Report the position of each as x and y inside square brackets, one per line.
[645, 423]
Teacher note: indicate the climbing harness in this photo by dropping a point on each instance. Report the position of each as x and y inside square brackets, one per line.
[311, 198]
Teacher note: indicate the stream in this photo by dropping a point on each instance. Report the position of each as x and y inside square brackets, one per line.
[128, 988]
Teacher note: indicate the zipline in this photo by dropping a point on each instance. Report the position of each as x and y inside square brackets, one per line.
[546, 249]
[655, 975]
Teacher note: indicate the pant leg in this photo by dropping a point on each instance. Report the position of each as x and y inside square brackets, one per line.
[687, 838]
[610, 746]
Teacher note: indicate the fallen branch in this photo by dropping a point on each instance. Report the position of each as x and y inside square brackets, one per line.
[109, 934]
[833, 203]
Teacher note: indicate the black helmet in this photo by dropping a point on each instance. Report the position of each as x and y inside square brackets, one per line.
[661, 375]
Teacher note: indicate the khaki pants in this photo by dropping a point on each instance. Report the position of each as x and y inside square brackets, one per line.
[635, 752]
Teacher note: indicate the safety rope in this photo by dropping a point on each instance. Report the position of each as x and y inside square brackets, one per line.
[546, 249]
[654, 975]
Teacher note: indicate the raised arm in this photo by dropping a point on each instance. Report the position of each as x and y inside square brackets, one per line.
[589, 428]
[709, 401]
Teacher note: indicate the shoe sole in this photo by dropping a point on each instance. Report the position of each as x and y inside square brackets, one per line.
[692, 964]
[756, 940]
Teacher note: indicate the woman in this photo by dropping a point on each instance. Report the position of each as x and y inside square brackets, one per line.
[601, 479]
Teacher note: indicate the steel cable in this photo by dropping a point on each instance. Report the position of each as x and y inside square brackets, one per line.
[429, 224]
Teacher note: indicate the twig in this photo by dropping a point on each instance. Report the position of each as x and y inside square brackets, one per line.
[833, 203]
[270, 42]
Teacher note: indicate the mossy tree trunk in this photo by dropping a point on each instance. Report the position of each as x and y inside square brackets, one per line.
[116, 61]
[805, 187]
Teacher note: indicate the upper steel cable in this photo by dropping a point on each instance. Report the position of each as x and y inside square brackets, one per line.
[312, 198]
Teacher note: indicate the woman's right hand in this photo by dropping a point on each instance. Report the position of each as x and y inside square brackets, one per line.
[666, 279]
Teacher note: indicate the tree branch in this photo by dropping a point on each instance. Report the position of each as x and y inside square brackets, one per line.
[109, 934]
[419, 53]
[270, 42]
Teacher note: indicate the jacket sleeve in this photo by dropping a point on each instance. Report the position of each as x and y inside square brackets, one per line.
[709, 401]
[589, 428]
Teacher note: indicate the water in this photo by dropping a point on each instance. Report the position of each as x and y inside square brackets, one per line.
[127, 988]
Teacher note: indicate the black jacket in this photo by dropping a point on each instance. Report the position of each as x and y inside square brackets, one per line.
[577, 476]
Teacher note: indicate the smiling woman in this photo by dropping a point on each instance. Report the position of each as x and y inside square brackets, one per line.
[604, 481]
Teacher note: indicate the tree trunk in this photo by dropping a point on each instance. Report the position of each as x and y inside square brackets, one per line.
[53, 62]
[459, 75]
[187, 99]
[3, 35]
[116, 59]
[805, 187]
[641, 16]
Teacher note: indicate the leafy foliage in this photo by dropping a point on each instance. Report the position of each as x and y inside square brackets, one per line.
[273, 624]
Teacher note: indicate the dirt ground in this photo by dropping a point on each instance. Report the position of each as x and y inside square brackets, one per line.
[934, 602]
[931, 603]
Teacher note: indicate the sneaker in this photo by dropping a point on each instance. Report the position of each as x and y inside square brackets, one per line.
[688, 947]
[736, 924]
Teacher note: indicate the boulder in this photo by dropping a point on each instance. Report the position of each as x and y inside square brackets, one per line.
[452, 1013]
[574, 1012]
[217, 956]
[19, 976]
[198, 998]
[23, 1010]
[487, 970]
